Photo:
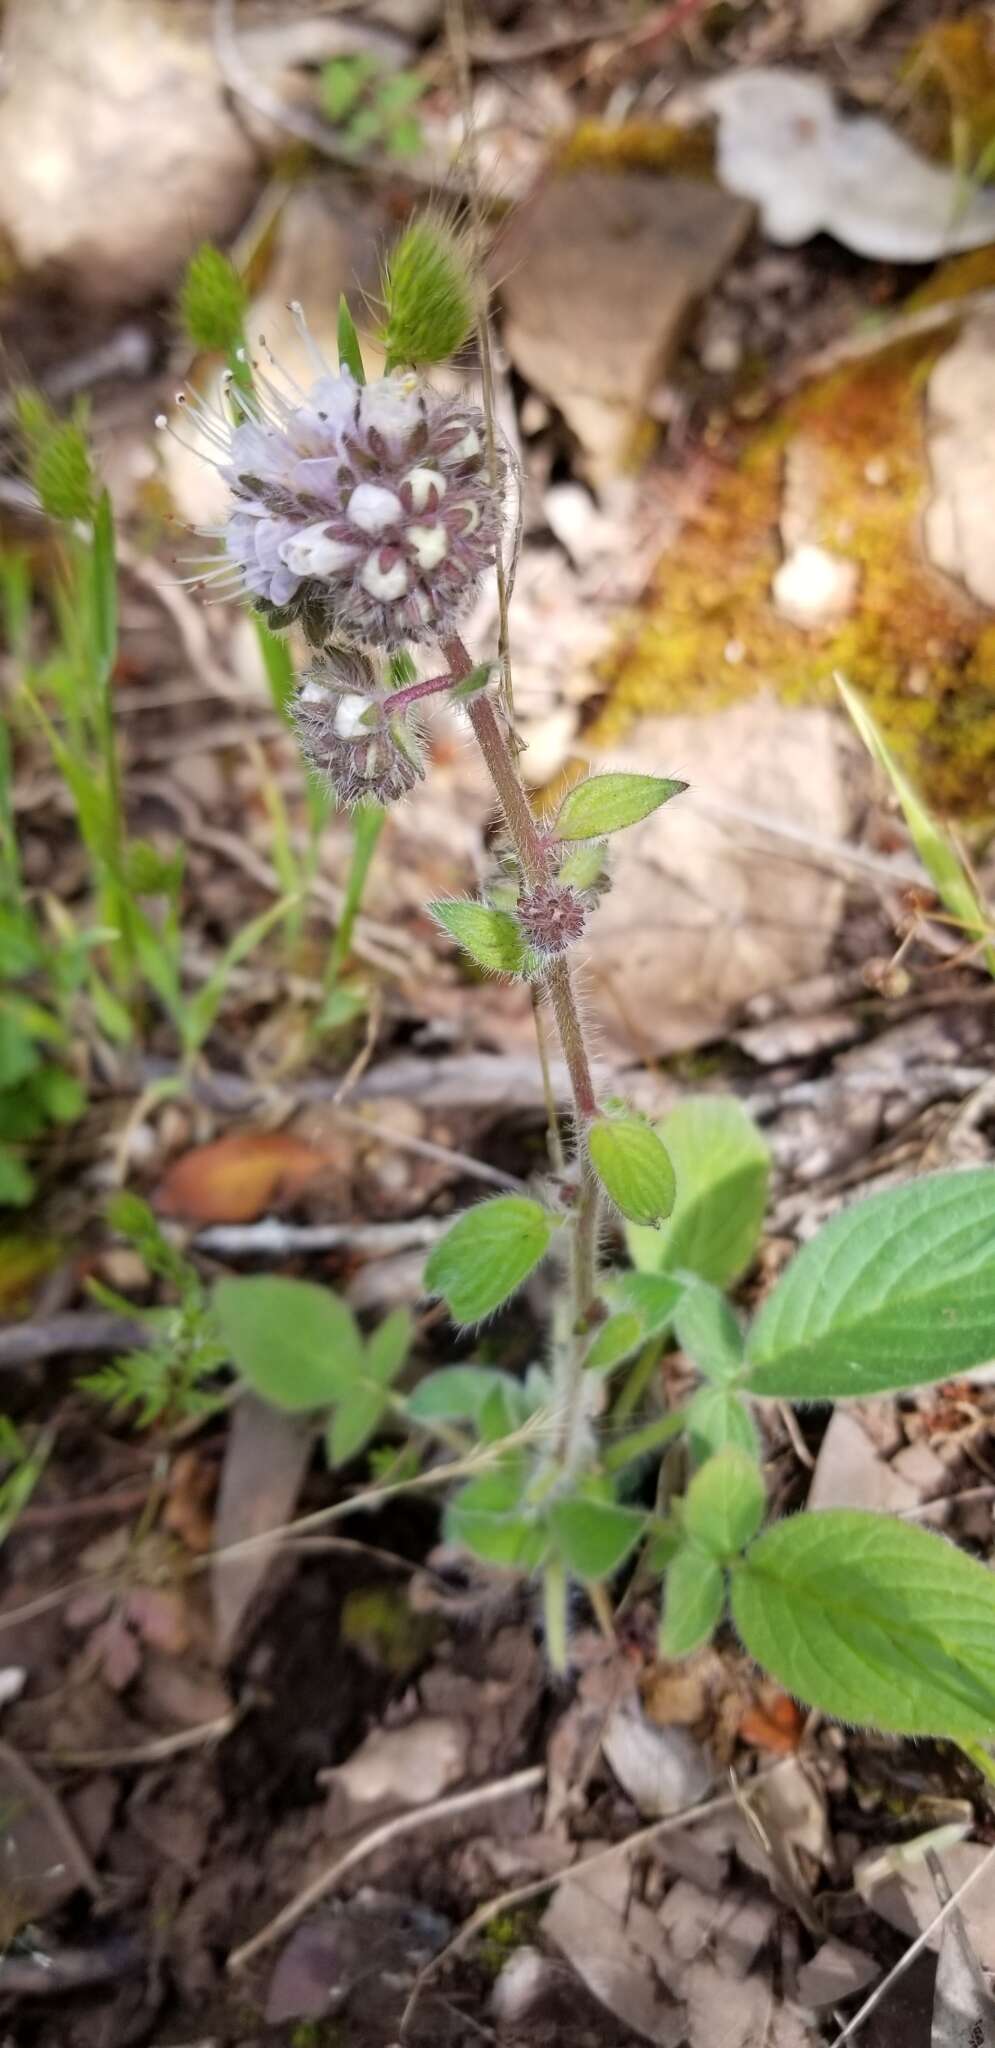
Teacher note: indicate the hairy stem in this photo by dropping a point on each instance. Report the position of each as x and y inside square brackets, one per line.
[534, 861]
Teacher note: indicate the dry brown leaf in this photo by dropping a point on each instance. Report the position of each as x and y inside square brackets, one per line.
[236, 1179]
[189, 1508]
[774, 1723]
[403, 1766]
[266, 1456]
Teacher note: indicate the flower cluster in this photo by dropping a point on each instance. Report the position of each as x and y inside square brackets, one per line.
[349, 732]
[366, 510]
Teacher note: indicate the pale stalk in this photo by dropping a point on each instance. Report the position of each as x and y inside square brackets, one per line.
[534, 861]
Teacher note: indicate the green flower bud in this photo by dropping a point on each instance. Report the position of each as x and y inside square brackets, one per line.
[428, 293]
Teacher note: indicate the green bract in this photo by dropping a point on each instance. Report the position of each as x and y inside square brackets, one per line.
[607, 803]
[486, 1256]
[491, 937]
[721, 1166]
[632, 1165]
[295, 1344]
[428, 293]
[896, 1291]
[872, 1620]
[213, 301]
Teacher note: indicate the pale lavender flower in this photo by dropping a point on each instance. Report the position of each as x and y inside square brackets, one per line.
[351, 734]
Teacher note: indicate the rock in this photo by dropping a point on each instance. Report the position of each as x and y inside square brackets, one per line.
[814, 588]
[662, 1769]
[835, 1972]
[959, 521]
[600, 273]
[119, 151]
[707, 908]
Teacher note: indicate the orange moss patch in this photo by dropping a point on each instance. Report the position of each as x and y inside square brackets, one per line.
[922, 653]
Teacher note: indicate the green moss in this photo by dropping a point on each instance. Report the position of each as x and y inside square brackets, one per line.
[505, 1933]
[318, 2034]
[638, 145]
[922, 653]
[377, 1621]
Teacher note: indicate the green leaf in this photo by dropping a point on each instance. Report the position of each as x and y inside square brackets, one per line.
[342, 81]
[18, 1057]
[456, 1393]
[594, 1536]
[721, 1166]
[585, 866]
[940, 858]
[607, 803]
[60, 1095]
[405, 137]
[617, 1337]
[487, 1517]
[639, 1442]
[872, 1620]
[16, 1182]
[491, 937]
[694, 1596]
[715, 1417]
[472, 684]
[213, 301]
[388, 1347]
[708, 1331]
[295, 1344]
[654, 1296]
[724, 1504]
[633, 1167]
[350, 353]
[487, 1255]
[897, 1290]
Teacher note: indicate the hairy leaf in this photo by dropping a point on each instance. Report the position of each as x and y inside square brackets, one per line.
[616, 1339]
[594, 1536]
[633, 1167]
[721, 1166]
[708, 1331]
[487, 1255]
[724, 1505]
[607, 803]
[717, 1416]
[694, 1596]
[491, 937]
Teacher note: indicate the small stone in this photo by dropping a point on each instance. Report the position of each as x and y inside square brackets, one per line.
[815, 588]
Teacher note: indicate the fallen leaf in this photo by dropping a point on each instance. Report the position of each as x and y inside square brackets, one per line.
[783, 144]
[836, 1971]
[403, 1766]
[236, 1179]
[705, 911]
[266, 1456]
[906, 1898]
[851, 1473]
[368, 1951]
[655, 245]
[774, 1724]
[618, 1950]
[963, 2007]
[662, 1769]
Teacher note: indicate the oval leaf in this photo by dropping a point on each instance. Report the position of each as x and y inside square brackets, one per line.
[708, 1331]
[491, 937]
[295, 1344]
[594, 1536]
[456, 1393]
[724, 1504]
[633, 1167]
[872, 1620]
[896, 1291]
[654, 1296]
[615, 1340]
[694, 1596]
[486, 1517]
[606, 803]
[717, 1416]
[486, 1256]
[721, 1166]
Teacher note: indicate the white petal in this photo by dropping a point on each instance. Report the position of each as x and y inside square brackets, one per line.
[422, 482]
[372, 508]
[313, 553]
[430, 543]
[385, 584]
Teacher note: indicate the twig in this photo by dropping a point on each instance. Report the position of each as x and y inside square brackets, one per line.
[274, 1238]
[157, 1751]
[520, 1895]
[76, 1330]
[380, 1838]
[922, 1941]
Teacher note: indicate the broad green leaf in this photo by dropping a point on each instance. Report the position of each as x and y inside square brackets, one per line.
[606, 803]
[350, 353]
[593, 1536]
[356, 1418]
[296, 1345]
[654, 1296]
[897, 1290]
[694, 1596]
[721, 1166]
[456, 1393]
[633, 1167]
[663, 1542]
[708, 1331]
[16, 1182]
[487, 1517]
[717, 1416]
[936, 850]
[487, 1255]
[491, 937]
[388, 1347]
[619, 1336]
[872, 1620]
[724, 1504]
